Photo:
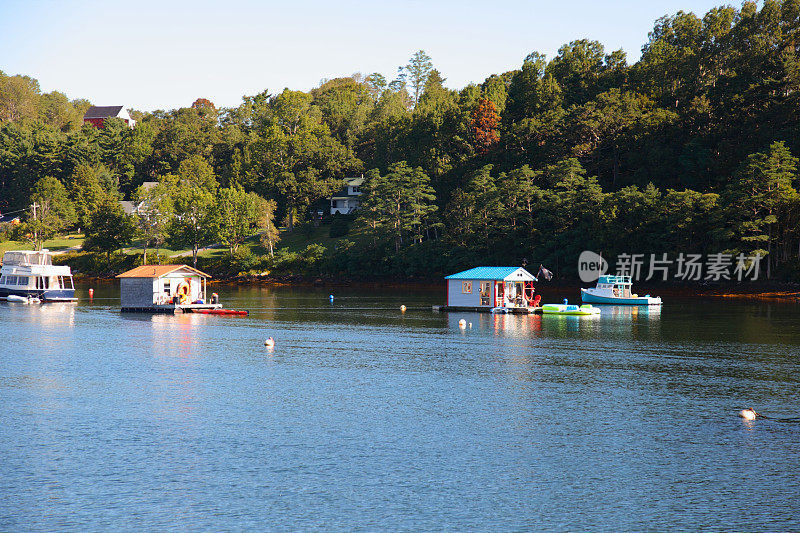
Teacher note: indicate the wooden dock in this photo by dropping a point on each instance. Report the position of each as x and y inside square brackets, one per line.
[510, 310]
[170, 309]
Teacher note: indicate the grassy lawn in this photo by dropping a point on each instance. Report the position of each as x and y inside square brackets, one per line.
[300, 238]
[295, 241]
[54, 245]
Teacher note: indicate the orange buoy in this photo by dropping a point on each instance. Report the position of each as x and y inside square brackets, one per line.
[91, 293]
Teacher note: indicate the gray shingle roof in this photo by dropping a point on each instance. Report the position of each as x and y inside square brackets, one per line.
[103, 111]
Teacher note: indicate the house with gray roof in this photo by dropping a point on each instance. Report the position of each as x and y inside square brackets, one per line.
[96, 115]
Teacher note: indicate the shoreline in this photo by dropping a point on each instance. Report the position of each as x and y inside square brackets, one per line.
[782, 291]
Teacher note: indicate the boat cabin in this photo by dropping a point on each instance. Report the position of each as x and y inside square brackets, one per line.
[164, 289]
[32, 274]
[616, 286]
[489, 287]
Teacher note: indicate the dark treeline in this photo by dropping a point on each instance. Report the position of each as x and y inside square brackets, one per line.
[691, 149]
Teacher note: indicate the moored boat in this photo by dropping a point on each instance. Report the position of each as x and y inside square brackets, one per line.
[616, 290]
[22, 299]
[31, 275]
[570, 309]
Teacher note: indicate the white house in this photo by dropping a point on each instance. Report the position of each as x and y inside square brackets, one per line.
[164, 288]
[489, 287]
[134, 208]
[97, 115]
[346, 201]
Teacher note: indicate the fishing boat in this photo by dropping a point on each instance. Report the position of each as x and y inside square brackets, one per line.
[31, 275]
[616, 290]
[570, 309]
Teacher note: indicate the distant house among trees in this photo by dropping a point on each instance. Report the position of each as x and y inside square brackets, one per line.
[9, 219]
[347, 200]
[96, 115]
[135, 208]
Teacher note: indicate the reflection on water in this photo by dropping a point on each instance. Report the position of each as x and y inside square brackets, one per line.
[364, 416]
[613, 320]
[632, 311]
[47, 315]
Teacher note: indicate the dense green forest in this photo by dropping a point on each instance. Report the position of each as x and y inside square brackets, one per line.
[691, 149]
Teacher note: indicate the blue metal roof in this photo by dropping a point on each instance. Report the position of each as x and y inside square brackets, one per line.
[488, 273]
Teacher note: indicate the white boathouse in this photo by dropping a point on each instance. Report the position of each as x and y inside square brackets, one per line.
[488, 287]
[164, 289]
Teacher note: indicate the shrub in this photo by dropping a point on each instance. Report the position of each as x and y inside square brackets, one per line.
[339, 227]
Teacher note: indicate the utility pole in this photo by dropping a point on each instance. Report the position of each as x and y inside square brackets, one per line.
[35, 230]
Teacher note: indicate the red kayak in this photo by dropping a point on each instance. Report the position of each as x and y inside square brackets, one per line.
[220, 312]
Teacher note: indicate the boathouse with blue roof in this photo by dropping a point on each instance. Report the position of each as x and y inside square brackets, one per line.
[491, 286]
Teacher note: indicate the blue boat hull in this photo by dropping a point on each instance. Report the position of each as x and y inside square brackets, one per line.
[594, 299]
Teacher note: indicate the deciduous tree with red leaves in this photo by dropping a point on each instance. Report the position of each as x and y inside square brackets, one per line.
[484, 125]
[204, 107]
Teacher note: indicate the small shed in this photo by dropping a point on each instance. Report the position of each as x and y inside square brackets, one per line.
[164, 288]
[488, 287]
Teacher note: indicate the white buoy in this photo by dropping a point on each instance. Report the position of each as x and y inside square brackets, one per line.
[748, 414]
[402, 308]
[470, 325]
[462, 323]
[270, 342]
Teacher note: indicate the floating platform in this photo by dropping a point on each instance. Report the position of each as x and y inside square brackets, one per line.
[509, 310]
[170, 309]
[570, 310]
[229, 312]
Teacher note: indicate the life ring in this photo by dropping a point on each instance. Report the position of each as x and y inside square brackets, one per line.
[183, 291]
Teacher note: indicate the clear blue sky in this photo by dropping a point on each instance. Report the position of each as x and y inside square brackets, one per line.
[164, 54]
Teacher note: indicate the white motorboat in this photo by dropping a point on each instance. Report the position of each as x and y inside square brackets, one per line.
[31, 276]
[616, 290]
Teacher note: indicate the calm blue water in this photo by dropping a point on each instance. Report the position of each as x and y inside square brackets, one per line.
[365, 418]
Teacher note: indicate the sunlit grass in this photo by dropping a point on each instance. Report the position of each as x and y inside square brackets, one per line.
[294, 241]
[54, 245]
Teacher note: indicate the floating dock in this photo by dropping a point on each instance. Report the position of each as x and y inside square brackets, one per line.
[170, 309]
[164, 289]
[509, 310]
